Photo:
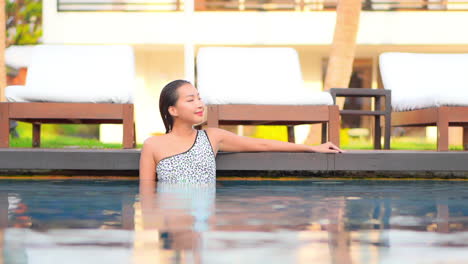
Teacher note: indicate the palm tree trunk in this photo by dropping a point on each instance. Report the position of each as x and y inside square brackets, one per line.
[2, 50]
[340, 63]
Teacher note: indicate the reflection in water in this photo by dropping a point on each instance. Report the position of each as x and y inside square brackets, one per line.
[233, 222]
[176, 214]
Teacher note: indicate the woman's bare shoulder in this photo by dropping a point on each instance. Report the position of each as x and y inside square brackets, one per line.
[214, 131]
[218, 133]
[155, 142]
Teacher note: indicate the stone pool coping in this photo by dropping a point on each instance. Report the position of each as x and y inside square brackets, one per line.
[368, 163]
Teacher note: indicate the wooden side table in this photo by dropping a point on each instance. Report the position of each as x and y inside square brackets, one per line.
[378, 94]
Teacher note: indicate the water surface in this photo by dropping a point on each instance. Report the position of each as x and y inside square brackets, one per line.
[308, 221]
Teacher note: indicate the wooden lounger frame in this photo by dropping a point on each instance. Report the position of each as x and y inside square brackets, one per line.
[442, 117]
[289, 115]
[66, 113]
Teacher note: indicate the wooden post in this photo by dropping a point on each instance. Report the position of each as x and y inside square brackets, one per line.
[324, 132]
[4, 125]
[134, 134]
[465, 138]
[291, 136]
[213, 116]
[377, 128]
[128, 126]
[36, 133]
[388, 120]
[334, 125]
[442, 129]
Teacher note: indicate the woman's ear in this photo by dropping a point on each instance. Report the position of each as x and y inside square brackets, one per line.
[172, 111]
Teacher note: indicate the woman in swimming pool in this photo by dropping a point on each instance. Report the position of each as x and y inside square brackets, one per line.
[185, 154]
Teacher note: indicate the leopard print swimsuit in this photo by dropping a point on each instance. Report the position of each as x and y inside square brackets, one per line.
[194, 165]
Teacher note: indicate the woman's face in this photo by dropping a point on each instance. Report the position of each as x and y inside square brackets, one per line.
[189, 107]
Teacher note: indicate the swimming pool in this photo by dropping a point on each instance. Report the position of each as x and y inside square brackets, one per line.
[271, 221]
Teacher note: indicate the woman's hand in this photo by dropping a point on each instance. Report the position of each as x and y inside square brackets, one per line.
[327, 148]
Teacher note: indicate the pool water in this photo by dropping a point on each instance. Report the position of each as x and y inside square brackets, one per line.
[276, 221]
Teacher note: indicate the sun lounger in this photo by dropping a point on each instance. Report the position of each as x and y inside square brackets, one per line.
[261, 86]
[428, 90]
[74, 84]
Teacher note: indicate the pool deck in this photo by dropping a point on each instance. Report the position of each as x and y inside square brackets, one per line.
[393, 162]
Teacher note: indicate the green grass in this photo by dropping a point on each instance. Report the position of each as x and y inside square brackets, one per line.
[51, 138]
[59, 141]
[397, 143]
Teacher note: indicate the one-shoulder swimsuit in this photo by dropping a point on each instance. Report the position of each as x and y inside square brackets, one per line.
[197, 164]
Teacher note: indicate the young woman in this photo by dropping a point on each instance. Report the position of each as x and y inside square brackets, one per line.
[185, 154]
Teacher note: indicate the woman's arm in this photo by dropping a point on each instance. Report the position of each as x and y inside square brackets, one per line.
[228, 141]
[147, 164]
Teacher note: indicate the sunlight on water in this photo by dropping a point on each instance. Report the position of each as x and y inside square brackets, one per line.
[78, 221]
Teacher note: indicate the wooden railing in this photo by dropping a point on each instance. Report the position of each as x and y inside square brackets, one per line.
[254, 5]
[318, 5]
[119, 5]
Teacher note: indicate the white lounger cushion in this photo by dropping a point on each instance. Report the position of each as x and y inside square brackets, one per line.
[18, 56]
[254, 76]
[77, 74]
[425, 80]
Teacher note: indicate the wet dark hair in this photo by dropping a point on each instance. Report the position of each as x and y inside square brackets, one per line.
[169, 97]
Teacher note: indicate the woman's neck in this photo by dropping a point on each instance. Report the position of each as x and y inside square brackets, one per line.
[182, 130]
